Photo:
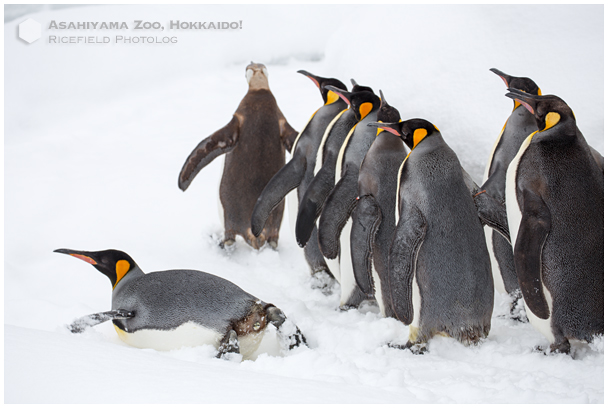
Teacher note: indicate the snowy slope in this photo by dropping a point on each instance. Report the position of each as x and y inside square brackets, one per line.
[95, 136]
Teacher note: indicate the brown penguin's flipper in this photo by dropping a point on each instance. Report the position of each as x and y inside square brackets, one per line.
[533, 231]
[220, 142]
[366, 221]
[79, 325]
[288, 134]
[285, 180]
[409, 235]
[335, 214]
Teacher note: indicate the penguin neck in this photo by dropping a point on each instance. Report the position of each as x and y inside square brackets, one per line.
[429, 142]
[258, 82]
[134, 273]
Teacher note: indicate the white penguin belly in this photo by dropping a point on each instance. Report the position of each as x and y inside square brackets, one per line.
[499, 285]
[292, 209]
[220, 207]
[188, 334]
[542, 325]
[347, 274]
[417, 305]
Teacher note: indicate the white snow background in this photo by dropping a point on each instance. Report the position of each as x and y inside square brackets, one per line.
[95, 136]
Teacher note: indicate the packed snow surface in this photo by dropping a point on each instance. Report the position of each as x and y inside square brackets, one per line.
[95, 136]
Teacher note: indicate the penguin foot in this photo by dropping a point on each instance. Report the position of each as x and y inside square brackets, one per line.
[228, 242]
[518, 311]
[562, 347]
[273, 244]
[415, 348]
[229, 345]
[289, 334]
[324, 281]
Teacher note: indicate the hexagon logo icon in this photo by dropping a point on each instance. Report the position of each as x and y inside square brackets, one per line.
[30, 30]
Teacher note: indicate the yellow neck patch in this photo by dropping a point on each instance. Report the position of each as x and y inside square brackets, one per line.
[365, 109]
[331, 97]
[419, 134]
[551, 119]
[122, 267]
[380, 130]
[539, 91]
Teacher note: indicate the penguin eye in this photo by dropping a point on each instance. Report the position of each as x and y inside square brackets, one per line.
[249, 74]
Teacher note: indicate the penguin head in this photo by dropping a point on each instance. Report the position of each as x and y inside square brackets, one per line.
[328, 96]
[112, 263]
[548, 110]
[257, 76]
[361, 103]
[359, 88]
[522, 83]
[387, 113]
[411, 131]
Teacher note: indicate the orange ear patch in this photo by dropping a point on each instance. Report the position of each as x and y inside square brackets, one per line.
[122, 267]
[419, 134]
[85, 258]
[331, 97]
[365, 109]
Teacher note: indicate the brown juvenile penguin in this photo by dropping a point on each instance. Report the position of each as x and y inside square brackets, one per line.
[254, 142]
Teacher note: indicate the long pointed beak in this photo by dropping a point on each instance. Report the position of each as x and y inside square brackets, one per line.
[82, 255]
[506, 78]
[340, 92]
[389, 127]
[317, 80]
[527, 100]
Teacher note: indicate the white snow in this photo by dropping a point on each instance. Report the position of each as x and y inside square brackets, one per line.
[95, 136]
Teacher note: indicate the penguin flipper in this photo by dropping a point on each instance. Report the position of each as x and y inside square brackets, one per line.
[492, 213]
[599, 159]
[79, 325]
[229, 344]
[220, 142]
[288, 134]
[366, 221]
[286, 179]
[409, 235]
[335, 214]
[312, 203]
[533, 231]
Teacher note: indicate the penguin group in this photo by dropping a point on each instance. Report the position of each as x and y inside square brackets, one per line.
[386, 209]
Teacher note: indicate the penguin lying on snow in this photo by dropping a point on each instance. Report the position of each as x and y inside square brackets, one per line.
[176, 308]
[555, 205]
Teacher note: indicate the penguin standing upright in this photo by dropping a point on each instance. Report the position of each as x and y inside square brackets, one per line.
[325, 171]
[334, 221]
[181, 308]
[439, 267]
[555, 205]
[254, 142]
[374, 214]
[299, 171]
[517, 128]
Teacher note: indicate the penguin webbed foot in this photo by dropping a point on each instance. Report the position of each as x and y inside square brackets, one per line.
[229, 345]
[81, 324]
[289, 334]
[414, 348]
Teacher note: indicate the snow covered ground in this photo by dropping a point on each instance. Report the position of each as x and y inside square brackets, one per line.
[95, 136]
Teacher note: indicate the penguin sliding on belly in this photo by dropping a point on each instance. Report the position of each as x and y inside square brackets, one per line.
[517, 128]
[555, 204]
[254, 142]
[439, 267]
[181, 308]
[374, 214]
[299, 171]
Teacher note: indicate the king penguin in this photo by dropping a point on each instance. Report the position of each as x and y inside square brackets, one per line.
[516, 129]
[555, 204]
[181, 308]
[254, 142]
[334, 221]
[299, 171]
[374, 214]
[439, 267]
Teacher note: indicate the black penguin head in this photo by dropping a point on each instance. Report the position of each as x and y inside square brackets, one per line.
[548, 110]
[387, 113]
[257, 76]
[321, 83]
[361, 103]
[411, 131]
[522, 83]
[359, 88]
[112, 263]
